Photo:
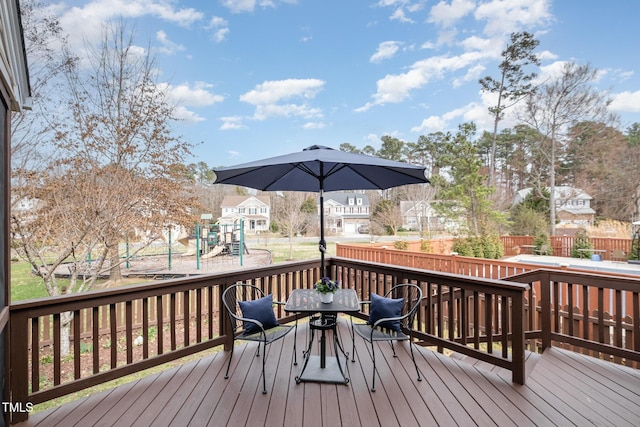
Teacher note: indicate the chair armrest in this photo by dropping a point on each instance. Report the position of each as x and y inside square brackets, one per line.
[279, 303]
[388, 319]
[365, 302]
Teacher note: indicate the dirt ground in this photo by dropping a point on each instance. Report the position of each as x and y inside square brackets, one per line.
[181, 264]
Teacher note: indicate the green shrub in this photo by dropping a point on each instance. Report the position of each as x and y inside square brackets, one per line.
[581, 241]
[489, 247]
[402, 245]
[425, 246]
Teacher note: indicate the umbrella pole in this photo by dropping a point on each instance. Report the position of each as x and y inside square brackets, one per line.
[323, 244]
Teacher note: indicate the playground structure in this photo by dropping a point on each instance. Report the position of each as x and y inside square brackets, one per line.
[209, 240]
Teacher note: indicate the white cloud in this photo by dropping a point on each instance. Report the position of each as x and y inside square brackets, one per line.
[546, 55]
[187, 95]
[240, 6]
[313, 125]
[86, 22]
[396, 88]
[232, 123]
[474, 73]
[220, 28]
[446, 15]
[194, 95]
[269, 97]
[385, 50]
[626, 102]
[180, 112]
[168, 46]
[506, 16]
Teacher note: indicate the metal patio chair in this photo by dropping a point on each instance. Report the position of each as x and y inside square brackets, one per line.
[391, 318]
[251, 310]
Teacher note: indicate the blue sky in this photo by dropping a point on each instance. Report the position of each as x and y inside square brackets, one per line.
[258, 78]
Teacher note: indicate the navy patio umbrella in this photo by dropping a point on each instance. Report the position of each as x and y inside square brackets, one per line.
[319, 169]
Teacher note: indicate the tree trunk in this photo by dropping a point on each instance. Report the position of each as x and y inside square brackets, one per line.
[115, 272]
[65, 333]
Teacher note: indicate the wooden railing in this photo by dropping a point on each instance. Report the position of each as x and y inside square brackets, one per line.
[126, 330]
[478, 317]
[594, 314]
[121, 331]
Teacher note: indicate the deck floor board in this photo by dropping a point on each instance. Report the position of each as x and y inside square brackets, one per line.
[562, 388]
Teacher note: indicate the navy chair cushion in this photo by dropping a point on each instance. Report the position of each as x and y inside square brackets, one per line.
[382, 307]
[261, 310]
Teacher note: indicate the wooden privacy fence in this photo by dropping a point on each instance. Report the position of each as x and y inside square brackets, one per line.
[562, 245]
[512, 245]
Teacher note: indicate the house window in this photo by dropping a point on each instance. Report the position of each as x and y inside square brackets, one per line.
[241, 210]
[350, 201]
[359, 201]
[252, 211]
[263, 210]
[580, 202]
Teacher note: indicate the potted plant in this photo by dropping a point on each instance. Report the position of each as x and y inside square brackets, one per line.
[326, 288]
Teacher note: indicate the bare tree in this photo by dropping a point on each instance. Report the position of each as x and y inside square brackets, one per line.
[118, 173]
[291, 215]
[555, 107]
[32, 130]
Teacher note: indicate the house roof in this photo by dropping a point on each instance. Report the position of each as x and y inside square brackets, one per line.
[239, 200]
[343, 197]
[562, 192]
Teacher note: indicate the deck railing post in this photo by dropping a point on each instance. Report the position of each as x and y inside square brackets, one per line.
[224, 320]
[518, 341]
[18, 362]
[545, 309]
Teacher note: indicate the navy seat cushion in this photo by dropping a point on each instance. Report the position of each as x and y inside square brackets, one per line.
[382, 307]
[261, 310]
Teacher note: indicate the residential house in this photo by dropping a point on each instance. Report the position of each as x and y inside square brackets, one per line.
[254, 210]
[419, 216]
[573, 206]
[346, 212]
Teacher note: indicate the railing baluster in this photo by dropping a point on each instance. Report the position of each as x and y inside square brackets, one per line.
[145, 328]
[35, 354]
[76, 343]
[57, 350]
[114, 335]
[95, 343]
[129, 330]
[488, 316]
[199, 315]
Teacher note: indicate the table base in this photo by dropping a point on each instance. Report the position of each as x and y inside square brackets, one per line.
[330, 374]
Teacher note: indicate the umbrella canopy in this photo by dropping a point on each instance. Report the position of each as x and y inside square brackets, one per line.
[319, 169]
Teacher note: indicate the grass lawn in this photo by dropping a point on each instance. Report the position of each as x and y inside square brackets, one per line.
[301, 250]
[24, 284]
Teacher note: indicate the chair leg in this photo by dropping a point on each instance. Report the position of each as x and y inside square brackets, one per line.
[393, 348]
[226, 375]
[264, 377]
[295, 340]
[353, 342]
[373, 356]
[414, 359]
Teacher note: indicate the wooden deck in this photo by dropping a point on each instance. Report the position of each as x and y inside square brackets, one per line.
[563, 388]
